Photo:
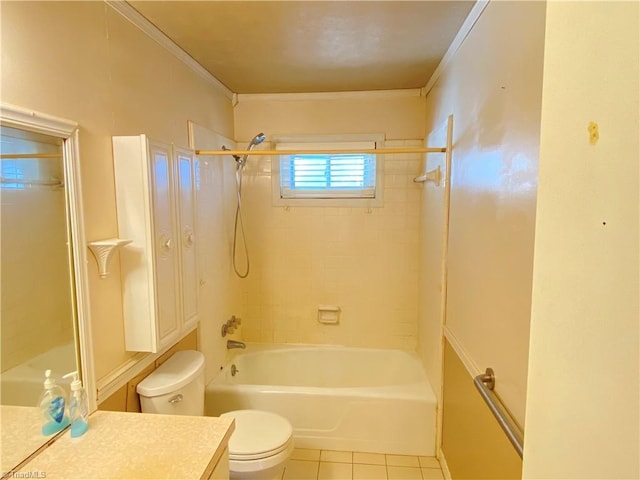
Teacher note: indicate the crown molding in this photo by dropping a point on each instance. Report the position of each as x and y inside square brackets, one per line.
[458, 40]
[131, 14]
[270, 97]
[25, 119]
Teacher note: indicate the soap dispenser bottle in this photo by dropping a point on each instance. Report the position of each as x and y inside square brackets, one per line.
[52, 405]
[78, 406]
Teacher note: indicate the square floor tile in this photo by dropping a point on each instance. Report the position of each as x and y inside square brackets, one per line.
[369, 458]
[403, 473]
[402, 461]
[369, 472]
[306, 454]
[429, 462]
[301, 470]
[432, 474]
[335, 471]
[336, 456]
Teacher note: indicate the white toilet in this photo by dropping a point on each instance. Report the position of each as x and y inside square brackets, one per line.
[262, 441]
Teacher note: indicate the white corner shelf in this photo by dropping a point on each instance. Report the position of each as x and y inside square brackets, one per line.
[103, 250]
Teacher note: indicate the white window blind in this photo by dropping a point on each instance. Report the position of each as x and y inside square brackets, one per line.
[330, 175]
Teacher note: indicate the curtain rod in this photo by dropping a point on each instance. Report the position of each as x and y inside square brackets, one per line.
[41, 183]
[30, 155]
[381, 151]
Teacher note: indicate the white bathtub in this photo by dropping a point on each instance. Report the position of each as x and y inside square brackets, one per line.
[336, 398]
[22, 385]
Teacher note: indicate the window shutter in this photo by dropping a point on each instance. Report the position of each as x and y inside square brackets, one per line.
[331, 175]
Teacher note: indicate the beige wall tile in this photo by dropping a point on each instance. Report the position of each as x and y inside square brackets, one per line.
[356, 258]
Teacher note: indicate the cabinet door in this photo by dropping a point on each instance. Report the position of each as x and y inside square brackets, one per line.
[186, 223]
[165, 243]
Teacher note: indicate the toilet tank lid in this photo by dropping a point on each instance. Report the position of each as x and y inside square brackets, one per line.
[181, 368]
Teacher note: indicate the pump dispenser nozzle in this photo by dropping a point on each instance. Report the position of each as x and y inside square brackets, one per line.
[76, 384]
[78, 406]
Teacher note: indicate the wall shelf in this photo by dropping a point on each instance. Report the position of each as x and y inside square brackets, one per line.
[103, 251]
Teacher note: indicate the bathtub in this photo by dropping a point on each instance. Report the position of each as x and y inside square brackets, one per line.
[22, 385]
[336, 398]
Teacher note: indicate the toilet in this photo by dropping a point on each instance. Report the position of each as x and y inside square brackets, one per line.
[262, 441]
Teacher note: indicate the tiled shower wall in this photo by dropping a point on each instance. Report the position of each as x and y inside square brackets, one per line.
[360, 259]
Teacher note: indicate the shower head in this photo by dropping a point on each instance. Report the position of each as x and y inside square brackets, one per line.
[257, 140]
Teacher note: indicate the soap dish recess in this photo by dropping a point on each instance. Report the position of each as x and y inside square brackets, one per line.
[329, 314]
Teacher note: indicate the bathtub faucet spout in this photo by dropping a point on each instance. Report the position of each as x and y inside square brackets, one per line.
[234, 344]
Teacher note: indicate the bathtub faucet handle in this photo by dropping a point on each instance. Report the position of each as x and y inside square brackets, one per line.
[230, 325]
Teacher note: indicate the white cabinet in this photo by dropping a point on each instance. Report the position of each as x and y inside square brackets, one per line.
[156, 209]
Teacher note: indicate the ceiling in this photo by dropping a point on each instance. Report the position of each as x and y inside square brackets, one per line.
[312, 46]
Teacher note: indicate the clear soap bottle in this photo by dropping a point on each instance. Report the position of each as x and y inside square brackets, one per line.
[52, 404]
[78, 406]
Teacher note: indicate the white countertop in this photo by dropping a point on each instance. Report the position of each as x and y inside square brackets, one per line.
[122, 445]
[21, 434]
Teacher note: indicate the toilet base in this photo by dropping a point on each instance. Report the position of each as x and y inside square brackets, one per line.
[271, 474]
[270, 468]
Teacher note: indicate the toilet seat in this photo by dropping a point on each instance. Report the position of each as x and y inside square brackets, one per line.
[258, 435]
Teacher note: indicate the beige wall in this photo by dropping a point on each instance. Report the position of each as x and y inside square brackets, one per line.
[399, 114]
[84, 62]
[492, 86]
[474, 445]
[364, 260]
[582, 402]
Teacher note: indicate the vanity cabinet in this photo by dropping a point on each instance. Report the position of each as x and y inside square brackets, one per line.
[155, 199]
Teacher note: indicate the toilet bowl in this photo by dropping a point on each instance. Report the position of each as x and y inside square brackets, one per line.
[262, 441]
[260, 445]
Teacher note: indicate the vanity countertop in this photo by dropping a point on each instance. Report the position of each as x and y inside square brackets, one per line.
[21, 435]
[122, 445]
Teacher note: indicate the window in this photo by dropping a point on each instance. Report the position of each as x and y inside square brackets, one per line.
[346, 176]
[12, 175]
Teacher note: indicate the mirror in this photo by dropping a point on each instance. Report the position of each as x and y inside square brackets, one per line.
[44, 290]
[36, 303]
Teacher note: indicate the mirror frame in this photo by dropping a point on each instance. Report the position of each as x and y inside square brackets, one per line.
[24, 119]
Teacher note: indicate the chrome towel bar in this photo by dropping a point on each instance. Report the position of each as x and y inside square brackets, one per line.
[485, 383]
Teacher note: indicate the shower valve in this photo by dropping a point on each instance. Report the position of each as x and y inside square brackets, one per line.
[230, 325]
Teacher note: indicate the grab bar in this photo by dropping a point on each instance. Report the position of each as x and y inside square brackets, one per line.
[485, 383]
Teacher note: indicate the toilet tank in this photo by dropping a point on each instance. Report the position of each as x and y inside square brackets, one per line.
[176, 387]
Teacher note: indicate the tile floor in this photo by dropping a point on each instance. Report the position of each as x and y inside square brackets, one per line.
[307, 464]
